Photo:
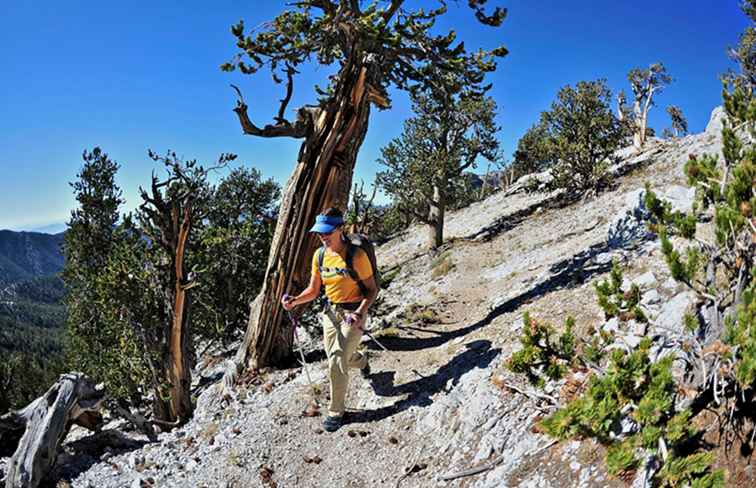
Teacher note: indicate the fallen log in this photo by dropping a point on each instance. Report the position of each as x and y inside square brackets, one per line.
[38, 429]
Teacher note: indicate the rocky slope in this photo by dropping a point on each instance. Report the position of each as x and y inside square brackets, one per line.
[440, 402]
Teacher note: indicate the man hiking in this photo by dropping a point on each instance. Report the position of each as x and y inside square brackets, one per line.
[351, 289]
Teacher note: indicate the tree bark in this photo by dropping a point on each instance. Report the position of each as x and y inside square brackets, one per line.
[436, 217]
[179, 371]
[45, 423]
[639, 137]
[322, 179]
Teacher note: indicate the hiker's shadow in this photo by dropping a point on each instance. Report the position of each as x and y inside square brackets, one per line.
[419, 392]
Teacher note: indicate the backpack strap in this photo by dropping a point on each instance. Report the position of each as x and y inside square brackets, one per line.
[321, 256]
[351, 252]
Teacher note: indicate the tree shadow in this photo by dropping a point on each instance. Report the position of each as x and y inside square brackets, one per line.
[479, 354]
[507, 222]
[628, 234]
[80, 455]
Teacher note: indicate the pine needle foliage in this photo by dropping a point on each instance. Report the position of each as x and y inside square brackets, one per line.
[583, 133]
[618, 303]
[545, 353]
[646, 390]
[725, 195]
[663, 216]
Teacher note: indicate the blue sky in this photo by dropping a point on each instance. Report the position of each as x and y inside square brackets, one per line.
[129, 76]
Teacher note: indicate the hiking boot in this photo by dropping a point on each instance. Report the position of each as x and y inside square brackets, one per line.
[332, 424]
[365, 371]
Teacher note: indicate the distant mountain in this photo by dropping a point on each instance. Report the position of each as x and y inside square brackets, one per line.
[56, 228]
[32, 313]
[29, 255]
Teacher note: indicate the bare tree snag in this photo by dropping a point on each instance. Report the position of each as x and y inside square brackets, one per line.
[168, 215]
[645, 83]
[45, 423]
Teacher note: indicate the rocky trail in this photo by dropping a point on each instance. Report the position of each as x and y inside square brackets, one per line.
[440, 408]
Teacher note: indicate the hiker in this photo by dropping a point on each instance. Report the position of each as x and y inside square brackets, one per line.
[350, 293]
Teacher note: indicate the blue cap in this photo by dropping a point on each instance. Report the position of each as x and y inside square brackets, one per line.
[325, 224]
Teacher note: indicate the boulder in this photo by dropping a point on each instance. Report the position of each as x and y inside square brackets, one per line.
[645, 281]
[671, 314]
[715, 121]
[681, 197]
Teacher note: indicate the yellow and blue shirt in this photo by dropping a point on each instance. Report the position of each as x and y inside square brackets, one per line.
[339, 286]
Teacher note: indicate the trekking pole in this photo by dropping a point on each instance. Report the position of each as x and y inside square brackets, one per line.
[295, 324]
[372, 337]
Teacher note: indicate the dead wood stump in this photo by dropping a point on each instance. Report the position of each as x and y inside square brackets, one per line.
[38, 429]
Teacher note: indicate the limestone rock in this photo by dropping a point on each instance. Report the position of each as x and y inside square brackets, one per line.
[715, 121]
[671, 314]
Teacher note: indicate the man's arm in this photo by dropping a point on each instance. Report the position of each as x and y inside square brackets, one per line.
[308, 294]
[372, 292]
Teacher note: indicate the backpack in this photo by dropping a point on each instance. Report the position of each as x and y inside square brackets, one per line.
[354, 242]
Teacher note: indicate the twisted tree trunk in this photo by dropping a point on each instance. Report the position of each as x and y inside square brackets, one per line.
[38, 429]
[322, 179]
[179, 368]
[436, 217]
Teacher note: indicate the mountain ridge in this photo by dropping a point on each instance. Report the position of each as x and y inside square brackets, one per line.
[29, 255]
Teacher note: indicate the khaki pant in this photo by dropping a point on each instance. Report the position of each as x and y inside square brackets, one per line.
[341, 341]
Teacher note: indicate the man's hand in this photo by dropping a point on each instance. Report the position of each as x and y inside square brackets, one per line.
[356, 320]
[287, 301]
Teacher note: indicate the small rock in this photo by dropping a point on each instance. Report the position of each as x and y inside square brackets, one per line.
[626, 426]
[638, 328]
[645, 281]
[632, 341]
[670, 284]
[611, 325]
[650, 297]
[680, 197]
[671, 314]
[135, 460]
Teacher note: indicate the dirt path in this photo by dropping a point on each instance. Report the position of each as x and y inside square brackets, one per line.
[450, 320]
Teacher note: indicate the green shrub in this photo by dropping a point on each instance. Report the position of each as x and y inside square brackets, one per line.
[544, 353]
[647, 390]
[615, 302]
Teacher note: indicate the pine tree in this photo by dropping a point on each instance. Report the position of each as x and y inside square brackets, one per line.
[533, 153]
[679, 124]
[168, 216]
[425, 164]
[97, 344]
[583, 134]
[231, 250]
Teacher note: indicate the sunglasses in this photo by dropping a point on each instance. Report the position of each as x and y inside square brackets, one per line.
[324, 234]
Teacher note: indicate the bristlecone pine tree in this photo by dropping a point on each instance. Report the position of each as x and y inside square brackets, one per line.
[232, 248]
[533, 153]
[360, 216]
[97, 343]
[645, 83]
[372, 47]
[679, 123]
[582, 134]
[425, 164]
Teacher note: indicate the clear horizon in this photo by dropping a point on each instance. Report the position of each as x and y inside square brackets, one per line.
[129, 78]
